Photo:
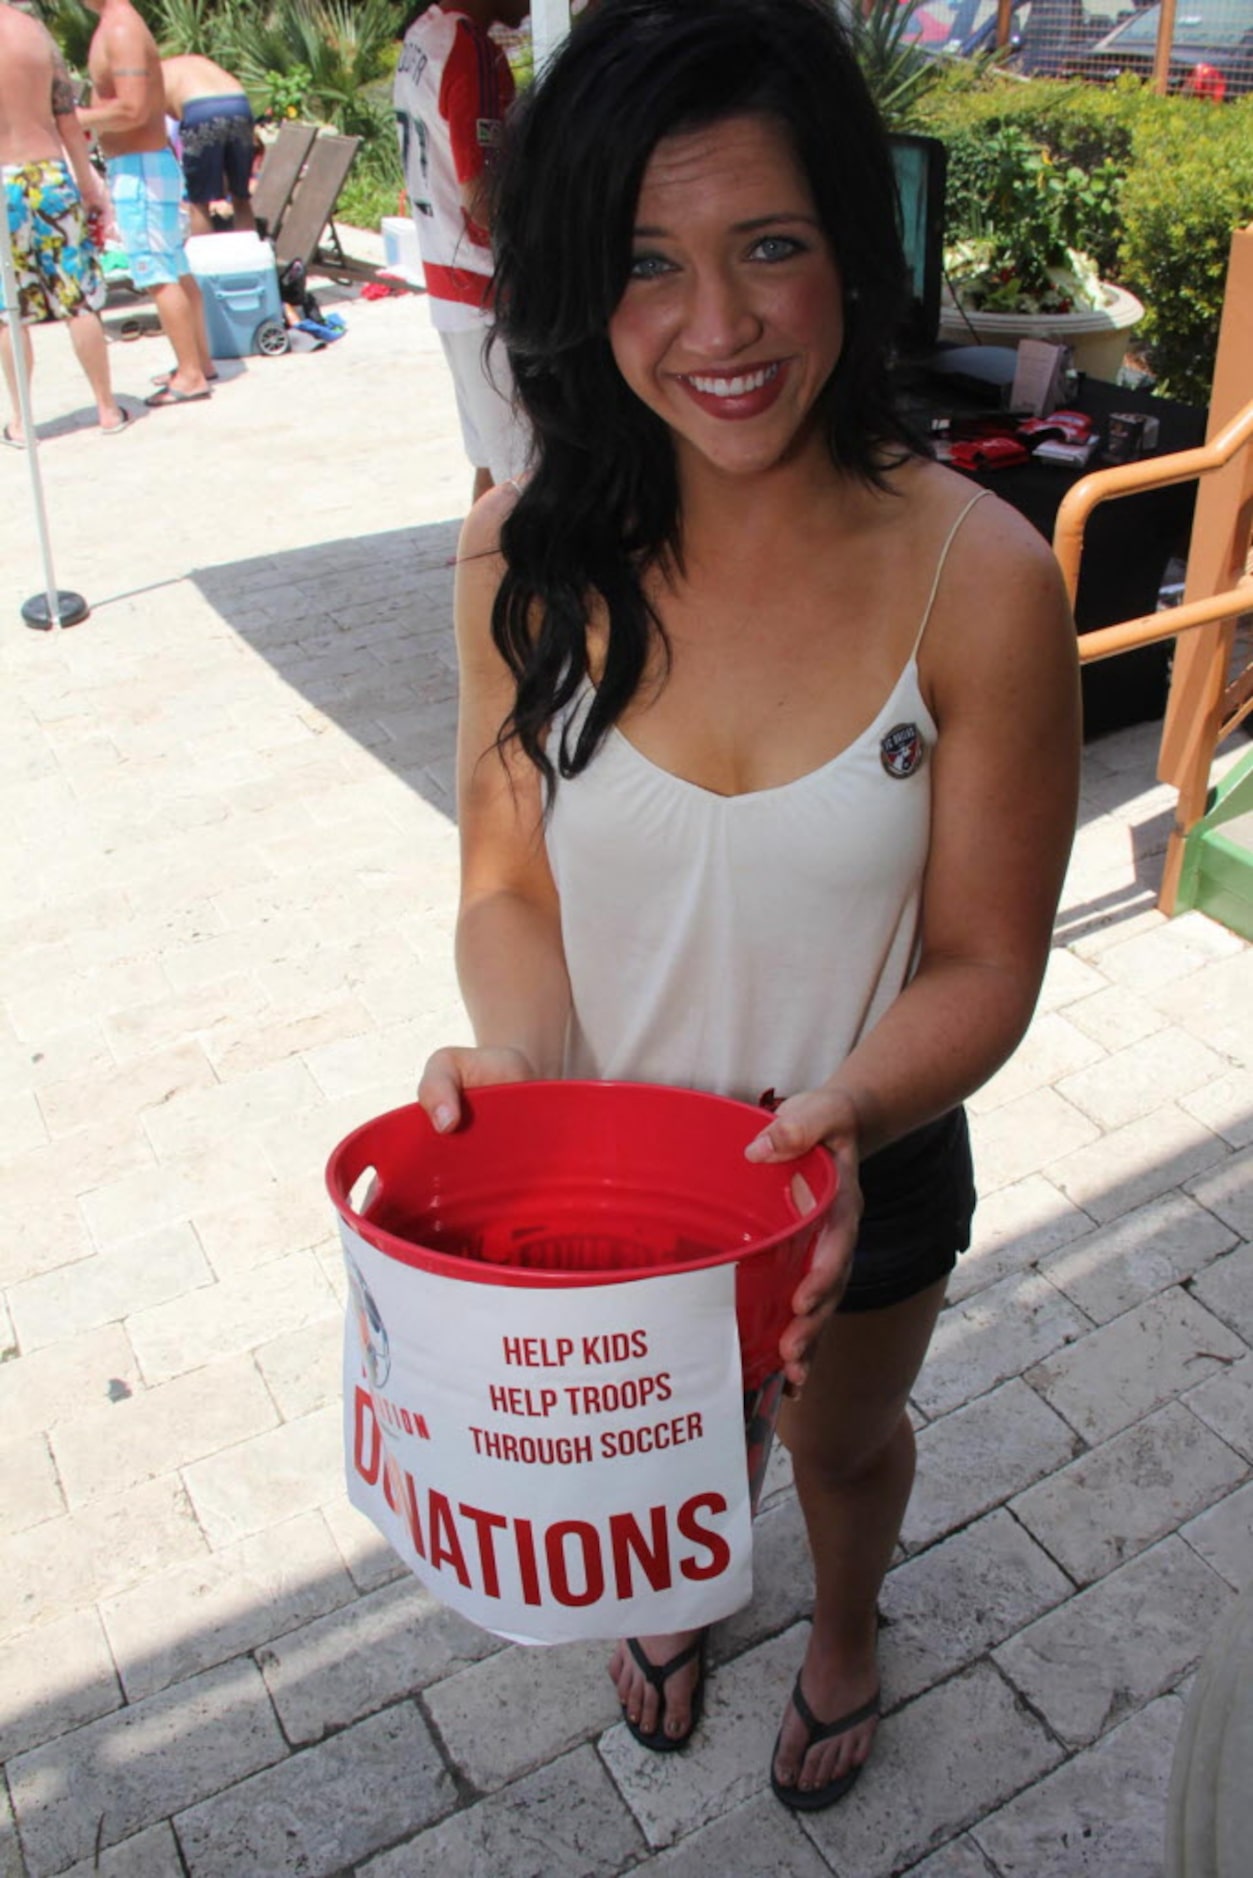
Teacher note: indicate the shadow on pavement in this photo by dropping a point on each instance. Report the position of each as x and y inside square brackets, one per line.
[362, 630]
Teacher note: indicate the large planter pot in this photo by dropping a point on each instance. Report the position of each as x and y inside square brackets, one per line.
[1097, 337]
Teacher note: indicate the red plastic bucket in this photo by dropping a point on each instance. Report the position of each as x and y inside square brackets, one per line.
[578, 1183]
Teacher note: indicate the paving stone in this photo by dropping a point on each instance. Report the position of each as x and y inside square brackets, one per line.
[150, 1854]
[1214, 1005]
[565, 1821]
[198, 1120]
[284, 1294]
[1052, 1048]
[992, 1336]
[1146, 1251]
[783, 1580]
[1066, 979]
[1135, 1363]
[1025, 1136]
[200, 1013]
[1014, 1228]
[53, 1232]
[63, 1055]
[1225, 1404]
[1112, 1649]
[12, 1865]
[114, 1777]
[21, 1124]
[1132, 1165]
[1171, 952]
[155, 1431]
[292, 1469]
[64, 1564]
[1225, 1289]
[728, 1760]
[202, 1613]
[55, 1678]
[1115, 1017]
[952, 1603]
[1224, 1537]
[393, 1643]
[29, 1489]
[505, 1715]
[1134, 1081]
[122, 1091]
[1228, 1191]
[286, 1217]
[53, 1385]
[1103, 1813]
[978, 1456]
[104, 1289]
[370, 1560]
[304, 1369]
[939, 1765]
[325, 1808]
[1225, 1106]
[756, 1837]
[960, 1858]
[1123, 1496]
[161, 1196]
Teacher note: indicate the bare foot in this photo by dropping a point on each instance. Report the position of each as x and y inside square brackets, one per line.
[834, 1685]
[645, 1706]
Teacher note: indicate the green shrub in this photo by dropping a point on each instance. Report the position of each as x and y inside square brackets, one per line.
[1173, 179]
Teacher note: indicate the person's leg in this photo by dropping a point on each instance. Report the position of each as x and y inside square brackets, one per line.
[853, 1458]
[91, 348]
[14, 430]
[199, 218]
[182, 322]
[191, 287]
[242, 216]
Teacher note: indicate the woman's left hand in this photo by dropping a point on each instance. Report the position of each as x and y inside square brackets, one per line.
[802, 1122]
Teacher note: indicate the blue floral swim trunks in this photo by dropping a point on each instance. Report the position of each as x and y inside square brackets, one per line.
[58, 270]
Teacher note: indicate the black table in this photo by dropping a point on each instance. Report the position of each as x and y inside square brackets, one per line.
[1128, 544]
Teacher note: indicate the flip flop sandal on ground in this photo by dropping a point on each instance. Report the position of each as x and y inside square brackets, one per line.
[14, 443]
[658, 1674]
[123, 423]
[814, 1799]
[168, 395]
[163, 378]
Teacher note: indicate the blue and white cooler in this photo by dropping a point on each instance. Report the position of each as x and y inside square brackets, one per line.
[242, 306]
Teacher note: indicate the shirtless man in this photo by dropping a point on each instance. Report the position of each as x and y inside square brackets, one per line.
[49, 185]
[216, 132]
[146, 184]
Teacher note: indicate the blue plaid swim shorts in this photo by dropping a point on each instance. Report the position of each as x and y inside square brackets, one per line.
[148, 202]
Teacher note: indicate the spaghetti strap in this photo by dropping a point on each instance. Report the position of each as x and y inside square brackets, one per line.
[939, 566]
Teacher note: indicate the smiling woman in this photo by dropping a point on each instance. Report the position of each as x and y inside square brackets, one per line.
[768, 728]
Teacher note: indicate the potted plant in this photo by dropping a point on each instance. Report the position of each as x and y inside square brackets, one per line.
[1017, 262]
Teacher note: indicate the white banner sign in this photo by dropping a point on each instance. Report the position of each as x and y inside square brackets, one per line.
[552, 1463]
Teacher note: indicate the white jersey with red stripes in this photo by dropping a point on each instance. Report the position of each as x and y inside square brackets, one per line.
[452, 89]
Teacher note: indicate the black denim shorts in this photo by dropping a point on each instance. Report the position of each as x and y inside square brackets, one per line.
[919, 1203]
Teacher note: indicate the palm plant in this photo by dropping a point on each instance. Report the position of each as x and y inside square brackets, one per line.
[895, 67]
[338, 53]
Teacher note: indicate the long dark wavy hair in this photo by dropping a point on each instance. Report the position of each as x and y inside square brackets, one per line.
[602, 505]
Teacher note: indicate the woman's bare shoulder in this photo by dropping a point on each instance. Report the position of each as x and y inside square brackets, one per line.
[480, 532]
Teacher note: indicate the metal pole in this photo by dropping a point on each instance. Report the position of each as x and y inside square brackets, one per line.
[52, 607]
[550, 22]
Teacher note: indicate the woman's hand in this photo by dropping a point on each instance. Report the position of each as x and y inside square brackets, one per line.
[802, 1122]
[451, 1070]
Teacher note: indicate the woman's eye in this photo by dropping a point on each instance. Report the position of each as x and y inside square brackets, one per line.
[776, 248]
[647, 266]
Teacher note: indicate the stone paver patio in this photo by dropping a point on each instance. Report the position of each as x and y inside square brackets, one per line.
[229, 864]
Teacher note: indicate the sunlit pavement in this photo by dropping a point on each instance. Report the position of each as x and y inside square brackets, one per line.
[230, 871]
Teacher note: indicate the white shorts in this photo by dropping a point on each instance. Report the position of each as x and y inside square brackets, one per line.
[496, 437]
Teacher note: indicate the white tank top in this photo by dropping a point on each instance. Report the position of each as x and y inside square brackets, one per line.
[743, 943]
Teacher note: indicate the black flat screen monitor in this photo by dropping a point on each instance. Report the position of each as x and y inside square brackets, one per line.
[920, 171]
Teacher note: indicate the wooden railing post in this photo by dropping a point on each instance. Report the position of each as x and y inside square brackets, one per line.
[1216, 560]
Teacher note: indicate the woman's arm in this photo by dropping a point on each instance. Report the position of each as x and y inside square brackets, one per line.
[1000, 666]
[510, 962]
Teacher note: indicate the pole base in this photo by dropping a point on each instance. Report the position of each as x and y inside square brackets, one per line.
[71, 608]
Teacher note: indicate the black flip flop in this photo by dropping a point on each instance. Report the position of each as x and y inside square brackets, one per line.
[169, 394]
[814, 1799]
[658, 1674]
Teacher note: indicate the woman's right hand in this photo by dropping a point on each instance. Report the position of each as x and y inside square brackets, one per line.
[451, 1070]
